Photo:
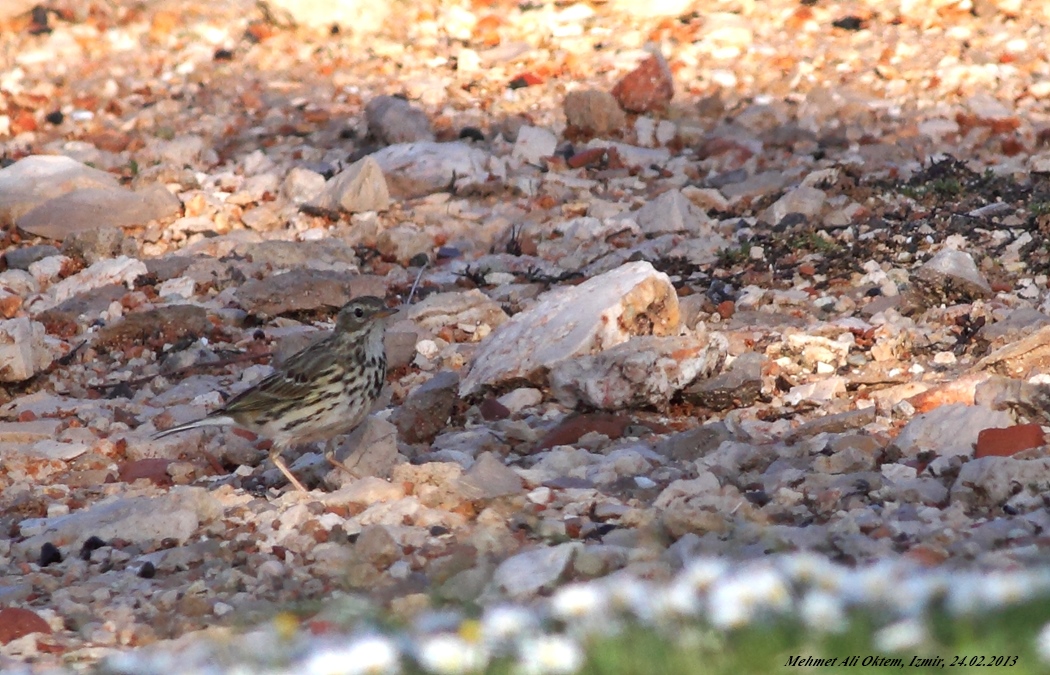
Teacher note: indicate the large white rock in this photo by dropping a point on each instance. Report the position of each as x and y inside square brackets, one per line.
[23, 349]
[176, 515]
[34, 180]
[91, 208]
[423, 168]
[644, 371]
[602, 312]
[997, 480]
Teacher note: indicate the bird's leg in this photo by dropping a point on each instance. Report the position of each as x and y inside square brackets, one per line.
[329, 454]
[275, 457]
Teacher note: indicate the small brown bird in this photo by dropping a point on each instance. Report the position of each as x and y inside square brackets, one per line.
[318, 393]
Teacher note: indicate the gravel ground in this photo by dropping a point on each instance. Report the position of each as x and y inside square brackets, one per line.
[709, 296]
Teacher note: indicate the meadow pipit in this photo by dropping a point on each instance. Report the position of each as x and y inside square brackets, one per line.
[318, 393]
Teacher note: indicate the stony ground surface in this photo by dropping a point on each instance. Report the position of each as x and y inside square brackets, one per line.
[726, 280]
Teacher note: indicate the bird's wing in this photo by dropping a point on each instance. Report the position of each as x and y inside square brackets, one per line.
[294, 380]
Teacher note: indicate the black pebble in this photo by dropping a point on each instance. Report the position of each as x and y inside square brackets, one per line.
[223, 55]
[147, 571]
[419, 260]
[92, 543]
[849, 23]
[49, 554]
[473, 133]
[55, 117]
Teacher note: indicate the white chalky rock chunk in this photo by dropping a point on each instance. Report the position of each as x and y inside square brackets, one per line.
[644, 371]
[23, 349]
[122, 270]
[602, 312]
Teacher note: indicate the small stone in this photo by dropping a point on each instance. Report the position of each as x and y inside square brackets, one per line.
[594, 111]
[49, 555]
[836, 423]
[952, 276]
[156, 327]
[806, 201]
[376, 545]
[820, 391]
[370, 450]
[534, 145]
[302, 290]
[574, 427]
[360, 187]
[122, 270]
[489, 478]
[991, 481]
[22, 258]
[302, 185]
[96, 244]
[153, 469]
[518, 399]
[29, 431]
[404, 242]
[364, 18]
[695, 443]
[426, 411]
[365, 492]
[738, 387]
[647, 88]
[441, 310]
[147, 570]
[392, 119]
[324, 254]
[491, 410]
[531, 572]
[672, 212]
[654, 8]
[90, 544]
[467, 61]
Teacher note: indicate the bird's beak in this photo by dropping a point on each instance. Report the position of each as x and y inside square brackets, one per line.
[387, 311]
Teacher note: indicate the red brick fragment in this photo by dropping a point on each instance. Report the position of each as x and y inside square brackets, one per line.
[1009, 441]
[647, 88]
[16, 622]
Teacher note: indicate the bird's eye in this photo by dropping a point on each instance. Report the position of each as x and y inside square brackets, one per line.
[358, 312]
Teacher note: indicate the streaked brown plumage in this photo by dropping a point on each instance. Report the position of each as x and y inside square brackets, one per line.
[318, 393]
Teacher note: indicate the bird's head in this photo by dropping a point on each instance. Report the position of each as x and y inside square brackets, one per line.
[361, 313]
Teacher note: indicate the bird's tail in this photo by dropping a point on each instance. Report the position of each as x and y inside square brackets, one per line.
[217, 421]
